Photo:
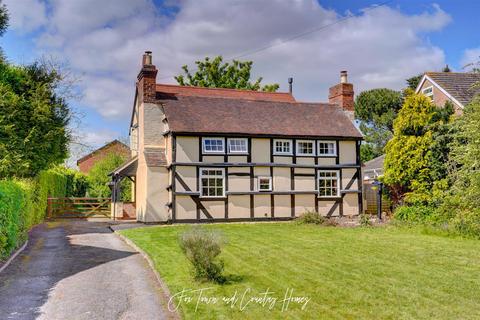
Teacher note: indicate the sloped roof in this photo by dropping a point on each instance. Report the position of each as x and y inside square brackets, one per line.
[106, 146]
[169, 89]
[193, 114]
[375, 163]
[460, 85]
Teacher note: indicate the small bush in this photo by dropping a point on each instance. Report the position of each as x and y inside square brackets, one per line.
[365, 220]
[202, 247]
[311, 217]
[418, 213]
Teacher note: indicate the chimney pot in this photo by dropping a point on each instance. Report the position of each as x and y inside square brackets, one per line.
[343, 77]
[147, 58]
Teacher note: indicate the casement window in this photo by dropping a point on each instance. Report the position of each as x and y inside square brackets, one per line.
[212, 182]
[328, 183]
[237, 145]
[281, 146]
[305, 148]
[213, 145]
[327, 148]
[428, 92]
[264, 183]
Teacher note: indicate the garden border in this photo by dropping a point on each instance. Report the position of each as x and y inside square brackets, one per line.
[165, 291]
[13, 256]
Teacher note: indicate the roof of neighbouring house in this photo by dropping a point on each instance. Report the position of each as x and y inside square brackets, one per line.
[460, 85]
[169, 89]
[209, 115]
[375, 163]
[106, 146]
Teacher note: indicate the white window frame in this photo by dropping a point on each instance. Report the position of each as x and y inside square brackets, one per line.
[269, 183]
[222, 176]
[213, 138]
[238, 152]
[337, 180]
[430, 94]
[275, 152]
[305, 154]
[327, 154]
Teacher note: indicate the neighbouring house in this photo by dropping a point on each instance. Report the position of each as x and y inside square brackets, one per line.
[456, 87]
[87, 162]
[205, 154]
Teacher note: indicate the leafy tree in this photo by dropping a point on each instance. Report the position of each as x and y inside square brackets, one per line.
[376, 109]
[3, 18]
[98, 177]
[414, 159]
[216, 74]
[33, 119]
[412, 83]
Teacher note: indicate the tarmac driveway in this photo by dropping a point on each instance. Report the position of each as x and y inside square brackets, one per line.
[79, 269]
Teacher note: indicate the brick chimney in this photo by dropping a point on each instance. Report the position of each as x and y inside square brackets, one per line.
[147, 79]
[342, 93]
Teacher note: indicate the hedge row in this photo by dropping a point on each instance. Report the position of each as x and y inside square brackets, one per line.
[23, 203]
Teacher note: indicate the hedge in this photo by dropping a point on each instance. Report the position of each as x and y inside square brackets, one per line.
[23, 203]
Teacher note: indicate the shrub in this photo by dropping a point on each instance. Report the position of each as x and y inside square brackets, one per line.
[365, 220]
[311, 217]
[418, 213]
[23, 204]
[98, 178]
[202, 247]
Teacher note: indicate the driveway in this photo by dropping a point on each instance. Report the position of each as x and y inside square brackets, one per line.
[79, 270]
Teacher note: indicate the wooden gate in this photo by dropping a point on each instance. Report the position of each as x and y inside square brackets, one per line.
[78, 207]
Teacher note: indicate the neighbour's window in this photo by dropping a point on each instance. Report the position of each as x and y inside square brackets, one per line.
[236, 145]
[328, 182]
[264, 183]
[282, 147]
[305, 148]
[428, 92]
[327, 148]
[213, 145]
[212, 182]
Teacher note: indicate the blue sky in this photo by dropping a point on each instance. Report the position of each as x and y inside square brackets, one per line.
[102, 42]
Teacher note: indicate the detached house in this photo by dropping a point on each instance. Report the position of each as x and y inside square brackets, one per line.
[456, 87]
[204, 154]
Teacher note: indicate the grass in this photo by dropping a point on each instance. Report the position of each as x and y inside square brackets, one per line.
[352, 273]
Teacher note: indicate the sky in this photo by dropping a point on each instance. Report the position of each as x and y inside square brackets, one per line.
[101, 44]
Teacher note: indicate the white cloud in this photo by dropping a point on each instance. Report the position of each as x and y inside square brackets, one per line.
[104, 41]
[26, 15]
[471, 58]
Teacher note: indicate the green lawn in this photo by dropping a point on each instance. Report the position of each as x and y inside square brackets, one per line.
[361, 273]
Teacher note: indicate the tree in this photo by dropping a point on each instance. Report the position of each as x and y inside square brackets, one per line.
[412, 83]
[215, 74]
[98, 177]
[376, 109]
[3, 18]
[414, 156]
[34, 120]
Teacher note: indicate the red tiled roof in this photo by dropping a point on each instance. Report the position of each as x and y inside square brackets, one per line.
[169, 89]
[106, 146]
[194, 114]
